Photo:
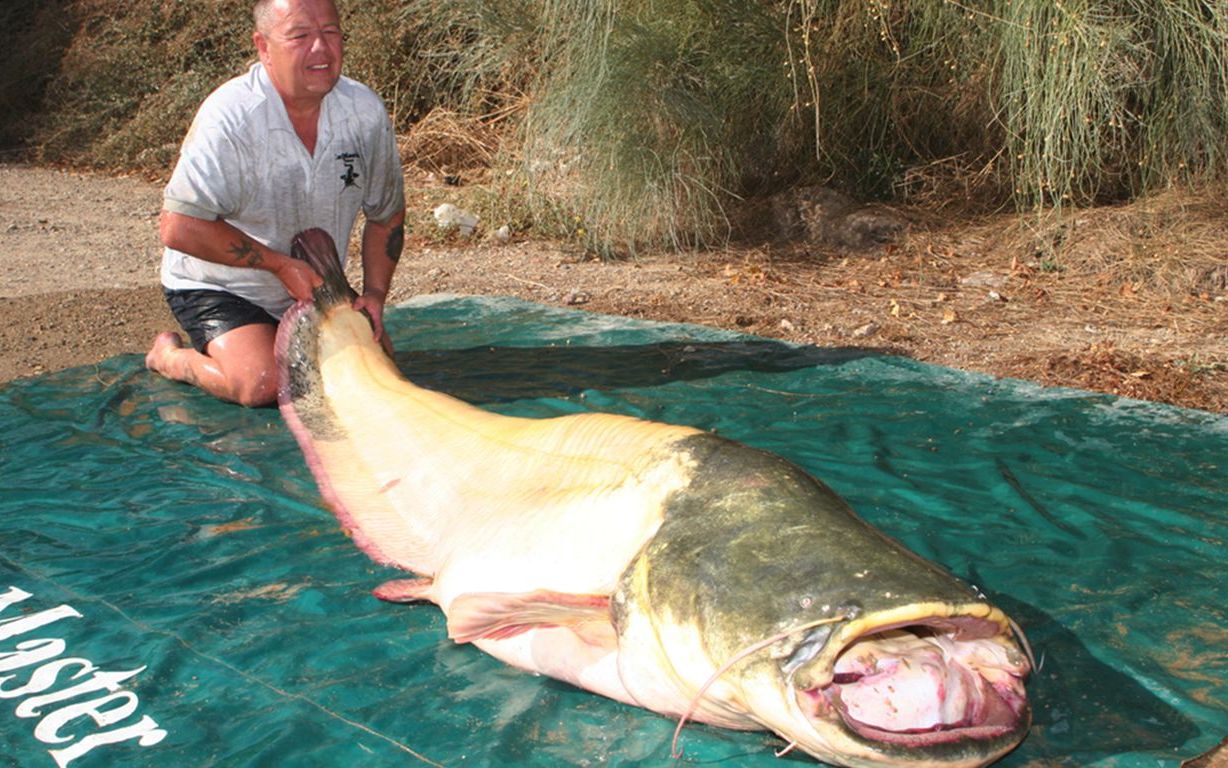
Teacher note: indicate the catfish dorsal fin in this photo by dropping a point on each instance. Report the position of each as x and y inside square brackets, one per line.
[316, 247]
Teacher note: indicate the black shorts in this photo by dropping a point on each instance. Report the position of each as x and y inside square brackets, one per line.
[206, 314]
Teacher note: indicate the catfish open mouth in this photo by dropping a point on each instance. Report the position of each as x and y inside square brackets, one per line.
[924, 684]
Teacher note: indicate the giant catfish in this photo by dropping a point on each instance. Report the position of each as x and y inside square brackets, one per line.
[658, 565]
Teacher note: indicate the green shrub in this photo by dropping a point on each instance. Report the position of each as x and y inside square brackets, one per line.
[1077, 101]
[1105, 100]
[644, 119]
[644, 122]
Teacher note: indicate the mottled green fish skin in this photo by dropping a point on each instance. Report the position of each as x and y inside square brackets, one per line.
[755, 545]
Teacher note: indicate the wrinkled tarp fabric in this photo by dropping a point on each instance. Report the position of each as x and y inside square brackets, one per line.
[189, 544]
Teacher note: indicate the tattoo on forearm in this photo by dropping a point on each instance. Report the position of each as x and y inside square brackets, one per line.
[245, 252]
[396, 242]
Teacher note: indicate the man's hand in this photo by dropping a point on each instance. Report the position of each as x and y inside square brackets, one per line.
[220, 242]
[372, 305]
[382, 242]
[299, 278]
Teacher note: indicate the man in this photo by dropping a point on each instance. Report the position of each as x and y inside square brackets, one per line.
[288, 146]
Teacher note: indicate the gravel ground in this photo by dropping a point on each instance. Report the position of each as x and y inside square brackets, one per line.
[80, 259]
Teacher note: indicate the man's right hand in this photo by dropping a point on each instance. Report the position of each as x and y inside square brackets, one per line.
[221, 243]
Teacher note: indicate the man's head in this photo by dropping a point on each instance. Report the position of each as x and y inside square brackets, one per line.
[300, 44]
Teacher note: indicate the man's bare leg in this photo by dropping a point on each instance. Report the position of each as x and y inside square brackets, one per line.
[239, 366]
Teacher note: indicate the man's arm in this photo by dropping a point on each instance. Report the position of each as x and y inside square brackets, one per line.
[221, 243]
[382, 242]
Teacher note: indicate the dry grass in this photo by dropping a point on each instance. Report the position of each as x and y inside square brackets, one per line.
[1127, 299]
[1169, 246]
[447, 142]
[1143, 273]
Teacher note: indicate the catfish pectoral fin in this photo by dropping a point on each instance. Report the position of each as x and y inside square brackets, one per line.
[500, 615]
[405, 591]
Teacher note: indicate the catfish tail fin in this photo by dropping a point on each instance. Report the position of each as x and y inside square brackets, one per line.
[316, 247]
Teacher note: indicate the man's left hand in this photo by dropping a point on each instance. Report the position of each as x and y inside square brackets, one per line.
[372, 306]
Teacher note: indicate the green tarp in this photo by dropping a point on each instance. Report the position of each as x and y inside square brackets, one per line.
[167, 563]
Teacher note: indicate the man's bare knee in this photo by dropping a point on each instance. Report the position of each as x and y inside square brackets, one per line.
[258, 392]
[245, 362]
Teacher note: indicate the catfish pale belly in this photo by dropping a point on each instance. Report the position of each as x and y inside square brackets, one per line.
[658, 565]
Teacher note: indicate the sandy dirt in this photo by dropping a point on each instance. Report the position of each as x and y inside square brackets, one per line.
[80, 259]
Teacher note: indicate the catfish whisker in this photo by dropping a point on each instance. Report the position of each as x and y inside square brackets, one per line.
[792, 745]
[1023, 642]
[749, 650]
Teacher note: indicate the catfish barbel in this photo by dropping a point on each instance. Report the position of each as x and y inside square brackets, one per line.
[658, 565]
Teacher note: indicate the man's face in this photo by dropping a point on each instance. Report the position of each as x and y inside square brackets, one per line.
[301, 48]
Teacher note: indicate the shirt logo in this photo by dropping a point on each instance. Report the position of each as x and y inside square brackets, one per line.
[350, 175]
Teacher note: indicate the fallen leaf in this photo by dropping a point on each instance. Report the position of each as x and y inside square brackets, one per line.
[950, 316]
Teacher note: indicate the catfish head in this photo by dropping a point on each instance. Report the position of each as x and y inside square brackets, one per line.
[765, 602]
[922, 684]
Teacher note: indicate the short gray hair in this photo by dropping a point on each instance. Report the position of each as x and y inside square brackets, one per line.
[260, 15]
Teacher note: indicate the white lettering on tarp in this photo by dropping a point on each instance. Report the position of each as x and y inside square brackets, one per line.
[62, 713]
[30, 652]
[12, 596]
[100, 680]
[48, 729]
[146, 733]
[43, 678]
[13, 627]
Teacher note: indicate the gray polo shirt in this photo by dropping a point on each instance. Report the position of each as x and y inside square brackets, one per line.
[243, 162]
